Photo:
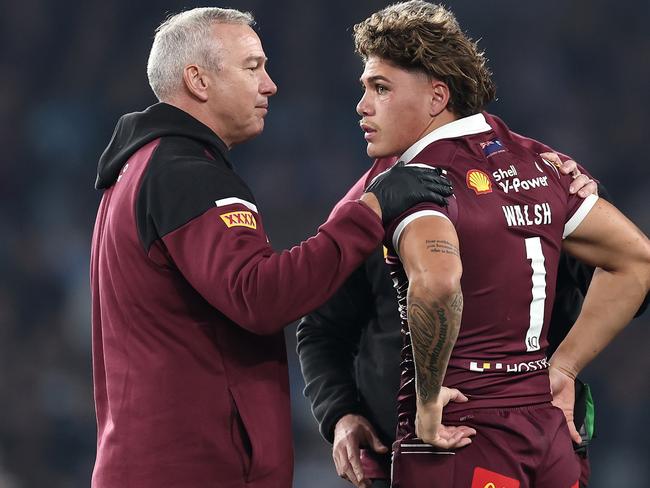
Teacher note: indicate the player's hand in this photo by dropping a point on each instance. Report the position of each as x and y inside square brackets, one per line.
[401, 187]
[350, 434]
[581, 184]
[564, 396]
[429, 427]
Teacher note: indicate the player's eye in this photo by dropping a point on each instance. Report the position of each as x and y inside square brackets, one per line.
[381, 89]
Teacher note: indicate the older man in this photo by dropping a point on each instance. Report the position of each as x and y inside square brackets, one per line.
[189, 300]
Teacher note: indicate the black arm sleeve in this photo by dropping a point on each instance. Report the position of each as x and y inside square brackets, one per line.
[328, 341]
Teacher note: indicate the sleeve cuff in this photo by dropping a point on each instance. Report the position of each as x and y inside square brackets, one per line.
[579, 215]
[414, 216]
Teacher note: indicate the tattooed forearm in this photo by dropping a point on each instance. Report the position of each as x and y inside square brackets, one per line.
[444, 247]
[434, 327]
[457, 304]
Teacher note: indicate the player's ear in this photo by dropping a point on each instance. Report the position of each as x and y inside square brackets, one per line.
[196, 81]
[439, 97]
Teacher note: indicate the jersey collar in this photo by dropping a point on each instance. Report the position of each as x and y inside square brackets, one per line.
[474, 124]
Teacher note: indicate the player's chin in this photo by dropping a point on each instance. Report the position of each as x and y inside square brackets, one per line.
[375, 150]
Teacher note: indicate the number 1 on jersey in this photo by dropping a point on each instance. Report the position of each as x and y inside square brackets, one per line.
[536, 256]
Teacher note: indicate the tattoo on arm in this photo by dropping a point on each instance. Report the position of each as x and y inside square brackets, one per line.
[444, 247]
[434, 328]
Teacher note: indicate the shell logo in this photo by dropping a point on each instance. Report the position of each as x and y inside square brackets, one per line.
[479, 181]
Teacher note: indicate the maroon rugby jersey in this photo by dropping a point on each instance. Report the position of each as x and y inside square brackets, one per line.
[511, 211]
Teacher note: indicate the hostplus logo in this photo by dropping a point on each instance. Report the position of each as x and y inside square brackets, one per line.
[523, 367]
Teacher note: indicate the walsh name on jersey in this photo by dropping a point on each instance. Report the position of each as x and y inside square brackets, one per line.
[520, 215]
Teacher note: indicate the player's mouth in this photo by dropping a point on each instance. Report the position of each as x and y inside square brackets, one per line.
[368, 130]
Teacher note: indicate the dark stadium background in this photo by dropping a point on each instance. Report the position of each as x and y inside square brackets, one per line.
[574, 74]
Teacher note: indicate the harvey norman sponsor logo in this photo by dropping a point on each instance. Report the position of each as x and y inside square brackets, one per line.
[239, 219]
[509, 181]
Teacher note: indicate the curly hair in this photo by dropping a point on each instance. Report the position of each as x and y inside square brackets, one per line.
[421, 36]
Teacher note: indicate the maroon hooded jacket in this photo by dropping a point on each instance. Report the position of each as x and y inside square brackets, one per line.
[189, 302]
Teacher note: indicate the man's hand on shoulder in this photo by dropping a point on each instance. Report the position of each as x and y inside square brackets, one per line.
[350, 434]
[403, 186]
[581, 184]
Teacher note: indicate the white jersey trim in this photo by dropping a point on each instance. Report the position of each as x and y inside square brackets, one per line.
[414, 216]
[474, 124]
[579, 215]
[232, 200]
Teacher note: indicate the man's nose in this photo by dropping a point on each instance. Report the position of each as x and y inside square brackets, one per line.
[268, 87]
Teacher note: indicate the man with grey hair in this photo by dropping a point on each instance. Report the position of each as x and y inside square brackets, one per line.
[188, 298]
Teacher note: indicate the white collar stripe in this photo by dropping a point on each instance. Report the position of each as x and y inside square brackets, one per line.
[474, 124]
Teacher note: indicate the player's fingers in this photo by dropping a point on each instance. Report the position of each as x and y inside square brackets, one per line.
[452, 443]
[466, 431]
[579, 183]
[569, 167]
[590, 188]
[451, 437]
[575, 436]
[456, 396]
[458, 439]
[465, 441]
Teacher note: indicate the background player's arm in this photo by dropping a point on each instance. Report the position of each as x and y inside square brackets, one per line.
[607, 239]
[429, 253]
[328, 341]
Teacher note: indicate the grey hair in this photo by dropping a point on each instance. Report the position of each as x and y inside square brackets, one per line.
[186, 38]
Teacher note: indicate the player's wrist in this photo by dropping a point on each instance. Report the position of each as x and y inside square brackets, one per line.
[433, 403]
[564, 367]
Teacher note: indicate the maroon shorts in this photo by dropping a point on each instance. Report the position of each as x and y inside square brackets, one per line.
[513, 448]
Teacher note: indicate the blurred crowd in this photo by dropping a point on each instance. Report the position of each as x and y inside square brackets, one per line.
[575, 75]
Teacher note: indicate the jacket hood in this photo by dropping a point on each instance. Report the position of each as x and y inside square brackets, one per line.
[137, 129]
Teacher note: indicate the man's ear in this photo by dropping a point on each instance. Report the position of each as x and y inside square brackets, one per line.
[196, 82]
[439, 97]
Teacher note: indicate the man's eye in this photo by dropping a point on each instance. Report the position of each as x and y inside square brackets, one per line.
[381, 89]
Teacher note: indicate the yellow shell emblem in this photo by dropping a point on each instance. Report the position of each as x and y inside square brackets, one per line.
[479, 181]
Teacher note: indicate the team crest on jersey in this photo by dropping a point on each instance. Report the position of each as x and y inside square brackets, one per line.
[490, 148]
[484, 478]
[478, 181]
[239, 219]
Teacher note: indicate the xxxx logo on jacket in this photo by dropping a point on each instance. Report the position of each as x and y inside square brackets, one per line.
[478, 181]
[484, 478]
[239, 219]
